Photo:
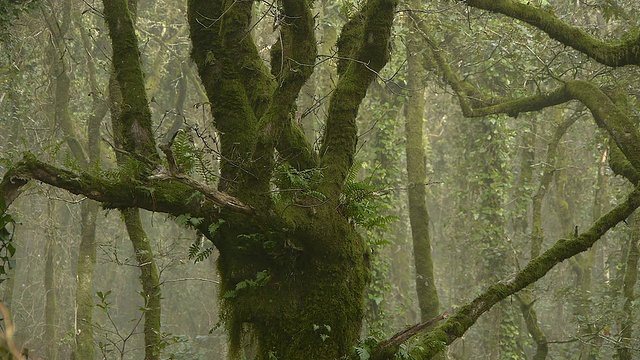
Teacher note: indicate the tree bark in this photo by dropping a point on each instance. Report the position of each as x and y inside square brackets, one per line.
[150, 280]
[417, 177]
[84, 345]
[50, 312]
[624, 349]
[131, 123]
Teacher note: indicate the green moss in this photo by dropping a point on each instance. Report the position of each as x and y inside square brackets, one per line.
[312, 305]
[621, 166]
[150, 281]
[368, 41]
[134, 119]
[609, 117]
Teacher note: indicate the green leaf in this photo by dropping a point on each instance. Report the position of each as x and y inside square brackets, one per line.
[215, 226]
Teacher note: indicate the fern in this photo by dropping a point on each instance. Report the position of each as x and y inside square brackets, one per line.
[363, 353]
[292, 184]
[360, 202]
[184, 152]
[197, 253]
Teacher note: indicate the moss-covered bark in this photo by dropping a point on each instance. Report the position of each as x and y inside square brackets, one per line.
[521, 224]
[369, 48]
[304, 271]
[581, 264]
[537, 234]
[619, 53]
[225, 55]
[84, 346]
[134, 118]
[417, 176]
[59, 72]
[525, 297]
[307, 282]
[150, 280]
[624, 349]
[526, 301]
[131, 123]
[84, 152]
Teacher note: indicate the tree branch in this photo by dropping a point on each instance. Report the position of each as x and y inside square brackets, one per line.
[292, 63]
[389, 347]
[609, 117]
[170, 194]
[605, 112]
[372, 37]
[134, 119]
[215, 30]
[298, 51]
[624, 52]
[472, 102]
[564, 249]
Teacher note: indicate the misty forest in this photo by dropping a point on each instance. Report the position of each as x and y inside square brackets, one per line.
[319, 180]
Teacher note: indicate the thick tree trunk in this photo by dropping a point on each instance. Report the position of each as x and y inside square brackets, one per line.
[312, 294]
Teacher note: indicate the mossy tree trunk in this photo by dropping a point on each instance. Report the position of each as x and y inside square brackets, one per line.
[84, 345]
[50, 311]
[581, 264]
[308, 266]
[134, 140]
[526, 296]
[417, 178]
[150, 280]
[60, 103]
[520, 225]
[624, 349]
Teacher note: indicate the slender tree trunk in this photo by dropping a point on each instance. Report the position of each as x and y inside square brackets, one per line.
[85, 155]
[624, 349]
[130, 119]
[84, 347]
[150, 280]
[525, 297]
[149, 277]
[417, 178]
[390, 288]
[61, 85]
[581, 264]
[50, 336]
